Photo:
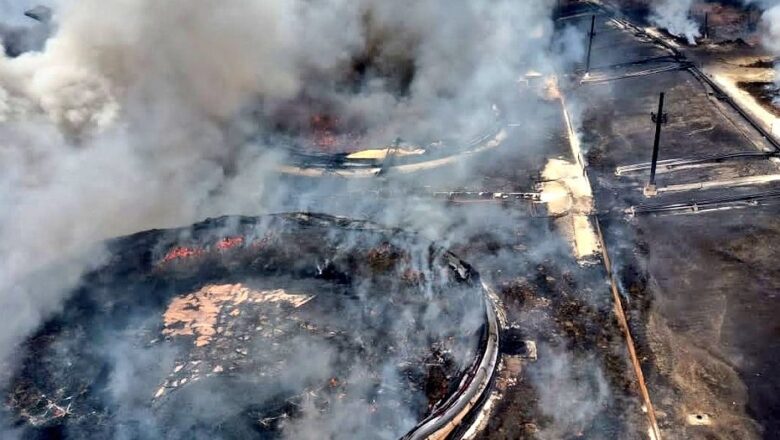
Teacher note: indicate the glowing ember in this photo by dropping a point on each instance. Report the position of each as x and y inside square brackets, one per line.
[182, 252]
[323, 128]
[230, 242]
[328, 135]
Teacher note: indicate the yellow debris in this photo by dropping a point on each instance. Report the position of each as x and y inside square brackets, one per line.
[382, 153]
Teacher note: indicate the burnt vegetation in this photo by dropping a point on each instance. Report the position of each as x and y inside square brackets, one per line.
[240, 304]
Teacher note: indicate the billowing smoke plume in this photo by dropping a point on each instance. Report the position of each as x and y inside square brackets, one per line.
[140, 114]
[770, 21]
[770, 31]
[674, 16]
[771, 38]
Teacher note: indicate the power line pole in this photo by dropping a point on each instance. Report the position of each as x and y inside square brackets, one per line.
[590, 42]
[659, 118]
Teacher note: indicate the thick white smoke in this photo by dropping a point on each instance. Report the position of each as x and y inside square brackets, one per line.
[674, 16]
[770, 31]
[771, 37]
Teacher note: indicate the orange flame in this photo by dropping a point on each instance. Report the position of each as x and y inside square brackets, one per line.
[229, 242]
[182, 252]
[328, 135]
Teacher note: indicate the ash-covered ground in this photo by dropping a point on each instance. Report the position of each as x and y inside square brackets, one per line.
[692, 261]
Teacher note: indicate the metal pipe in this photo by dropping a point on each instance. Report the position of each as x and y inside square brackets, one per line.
[443, 422]
[658, 118]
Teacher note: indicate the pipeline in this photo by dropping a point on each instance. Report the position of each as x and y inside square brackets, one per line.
[446, 419]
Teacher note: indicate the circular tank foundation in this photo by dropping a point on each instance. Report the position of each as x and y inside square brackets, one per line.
[293, 325]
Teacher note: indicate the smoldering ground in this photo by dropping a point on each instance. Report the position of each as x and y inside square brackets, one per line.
[674, 16]
[355, 354]
[138, 114]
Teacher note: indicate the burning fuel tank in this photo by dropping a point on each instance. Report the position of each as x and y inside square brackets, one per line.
[320, 137]
[283, 326]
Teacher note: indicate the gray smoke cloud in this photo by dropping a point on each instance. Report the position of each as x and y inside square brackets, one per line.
[577, 390]
[674, 16]
[771, 37]
[137, 114]
[770, 29]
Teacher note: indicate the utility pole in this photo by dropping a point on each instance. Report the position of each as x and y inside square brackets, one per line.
[659, 119]
[590, 42]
